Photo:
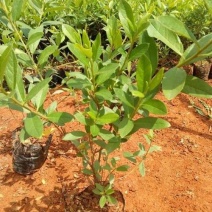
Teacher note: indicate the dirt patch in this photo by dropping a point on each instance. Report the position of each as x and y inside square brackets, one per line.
[177, 179]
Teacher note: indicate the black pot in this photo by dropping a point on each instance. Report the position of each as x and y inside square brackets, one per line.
[28, 158]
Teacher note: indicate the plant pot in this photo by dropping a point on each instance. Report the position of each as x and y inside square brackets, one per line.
[201, 69]
[87, 201]
[29, 157]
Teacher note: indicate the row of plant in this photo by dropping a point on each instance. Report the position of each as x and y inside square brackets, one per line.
[118, 100]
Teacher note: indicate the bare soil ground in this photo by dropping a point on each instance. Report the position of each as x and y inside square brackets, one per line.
[178, 179]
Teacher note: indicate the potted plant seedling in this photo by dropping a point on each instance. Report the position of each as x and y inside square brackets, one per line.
[118, 101]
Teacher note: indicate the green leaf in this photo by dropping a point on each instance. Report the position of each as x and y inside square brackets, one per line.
[111, 200]
[4, 61]
[17, 9]
[106, 72]
[159, 31]
[125, 127]
[138, 51]
[197, 51]
[52, 107]
[143, 73]
[137, 94]
[127, 19]
[173, 82]
[150, 123]
[106, 135]
[152, 52]
[34, 38]
[176, 26]
[130, 156]
[33, 125]
[197, 87]
[94, 130]
[104, 94]
[43, 57]
[71, 33]
[37, 89]
[74, 135]
[40, 97]
[156, 80]
[60, 118]
[78, 53]
[96, 47]
[102, 201]
[142, 169]
[20, 86]
[124, 97]
[112, 146]
[113, 33]
[155, 106]
[122, 168]
[10, 67]
[107, 118]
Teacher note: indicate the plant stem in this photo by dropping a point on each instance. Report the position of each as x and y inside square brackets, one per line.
[188, 61]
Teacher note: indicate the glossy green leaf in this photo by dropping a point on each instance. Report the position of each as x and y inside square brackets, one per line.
[156, 80]
[60, 118]
[137, 94]
[124, 97]
[112, 200]
[17, 7]
[94, 129]
[106, 72]
[71, 33]
[125, 127]
[37, 88]
[197, 87]
[143, 23]
[20, 86]
[176, 26]
[96, 47]
[5, 59]
[173, 82]
[107, 118]
[74, 135]
[104, 94]
[127, 19]
[143, 73]
[150, 123]
[102, 201]
[138, 51]
[113, 33]
[40, 97]
[10, 66]
[159, 31]
[34, 38]
[33, 125]
[155, 106]
[152, 52]
[85, 39]
[78, 54]
[43, 57]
